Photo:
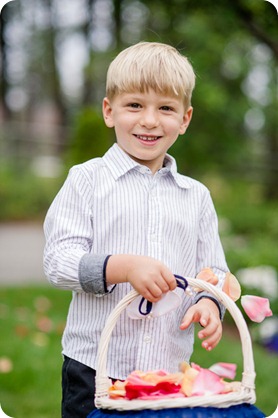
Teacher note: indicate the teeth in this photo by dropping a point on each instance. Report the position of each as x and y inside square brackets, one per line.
[147, 138]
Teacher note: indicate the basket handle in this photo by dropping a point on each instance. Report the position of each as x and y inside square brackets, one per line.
[248, 375]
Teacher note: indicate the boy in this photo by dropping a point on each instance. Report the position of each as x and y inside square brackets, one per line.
[129, 220]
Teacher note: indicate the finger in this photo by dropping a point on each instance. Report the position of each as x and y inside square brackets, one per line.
[155, 291]
[191, 316]
[213, 339]
[150, 297]
[169, 278]
[204, 319]
[162, 284]
[211, 343]
[186, 321]
[208, 329]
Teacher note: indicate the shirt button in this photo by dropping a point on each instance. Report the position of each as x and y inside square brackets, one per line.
[147, 339]
[144, 170]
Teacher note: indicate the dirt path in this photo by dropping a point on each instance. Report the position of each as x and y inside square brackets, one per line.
[21, 251]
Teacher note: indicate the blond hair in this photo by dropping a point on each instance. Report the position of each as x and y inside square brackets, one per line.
[151, 65]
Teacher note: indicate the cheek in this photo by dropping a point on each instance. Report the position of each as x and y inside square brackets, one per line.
[125, 123]
[176, 127]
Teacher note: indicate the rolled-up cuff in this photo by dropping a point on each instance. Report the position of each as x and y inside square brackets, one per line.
[91, 273]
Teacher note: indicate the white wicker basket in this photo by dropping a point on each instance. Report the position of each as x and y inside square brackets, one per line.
[246, 393]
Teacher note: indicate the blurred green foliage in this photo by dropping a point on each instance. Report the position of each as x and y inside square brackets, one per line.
[248, 224]
[89, 138]
[231, 44]
[23, 195]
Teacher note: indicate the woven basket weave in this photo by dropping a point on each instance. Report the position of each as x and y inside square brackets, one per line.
[246, 393]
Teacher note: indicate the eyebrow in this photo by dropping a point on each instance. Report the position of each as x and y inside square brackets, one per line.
[162, 100]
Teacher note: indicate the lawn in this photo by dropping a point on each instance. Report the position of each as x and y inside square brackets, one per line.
[32, 321]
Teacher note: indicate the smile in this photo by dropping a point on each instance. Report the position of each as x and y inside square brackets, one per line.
[147, 138]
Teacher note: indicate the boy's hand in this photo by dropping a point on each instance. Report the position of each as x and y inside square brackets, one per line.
[207, 314]
[148, 276]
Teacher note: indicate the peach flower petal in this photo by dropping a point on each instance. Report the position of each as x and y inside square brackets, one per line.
[188, 380]
[232, 287]
[207, 275]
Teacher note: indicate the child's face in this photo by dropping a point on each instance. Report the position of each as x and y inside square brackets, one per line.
[146, 124]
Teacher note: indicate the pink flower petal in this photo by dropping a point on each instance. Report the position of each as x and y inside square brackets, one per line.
[256, 308]
[196, 366]
[161, 396]
[207, 383]
[136, 380]
[225, 370]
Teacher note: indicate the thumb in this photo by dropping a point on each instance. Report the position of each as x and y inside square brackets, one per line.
[190, 316]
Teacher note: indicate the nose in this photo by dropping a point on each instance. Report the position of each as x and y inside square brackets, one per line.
[149, 118]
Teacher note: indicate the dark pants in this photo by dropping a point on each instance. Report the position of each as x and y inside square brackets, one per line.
[78, 389]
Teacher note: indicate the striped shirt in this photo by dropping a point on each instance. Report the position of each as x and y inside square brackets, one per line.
[113, 205]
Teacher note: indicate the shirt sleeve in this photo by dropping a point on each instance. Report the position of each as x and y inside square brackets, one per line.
[209, 251]
[68, 227]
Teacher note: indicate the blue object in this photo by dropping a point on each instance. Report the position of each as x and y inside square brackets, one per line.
[147, 305]
[237, 411]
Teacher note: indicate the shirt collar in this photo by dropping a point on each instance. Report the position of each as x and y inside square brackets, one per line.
[182, 181]
[120, 163]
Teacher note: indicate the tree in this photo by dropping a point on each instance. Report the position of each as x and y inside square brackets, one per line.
[5, 16]
[221, 39]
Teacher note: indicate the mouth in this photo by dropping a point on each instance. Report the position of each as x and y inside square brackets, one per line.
[148, 138]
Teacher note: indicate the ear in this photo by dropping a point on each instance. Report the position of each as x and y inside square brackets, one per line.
[186, 120]
[107, 112]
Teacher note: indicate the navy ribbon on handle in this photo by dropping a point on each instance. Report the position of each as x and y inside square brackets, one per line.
[145, 306]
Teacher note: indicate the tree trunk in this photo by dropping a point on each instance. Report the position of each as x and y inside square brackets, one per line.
[55, 85]
[118, 23]
[4, 84]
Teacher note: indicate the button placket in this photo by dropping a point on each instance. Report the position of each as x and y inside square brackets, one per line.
[145, 347]
[154, 220]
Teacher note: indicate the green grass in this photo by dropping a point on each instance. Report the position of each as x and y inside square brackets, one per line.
[32, 320]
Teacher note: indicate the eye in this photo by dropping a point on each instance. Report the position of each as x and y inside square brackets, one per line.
[134, 105]
[167, 108]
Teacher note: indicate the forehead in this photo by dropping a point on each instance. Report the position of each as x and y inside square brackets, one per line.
[150, 96]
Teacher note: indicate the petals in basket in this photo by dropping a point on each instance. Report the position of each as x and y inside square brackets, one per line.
[207, 383]
[256, 307]
[189, 376]
[162, 396]
[117, 390]
[225, 370]
[155, 377]
[145, 389]
[190, 381]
